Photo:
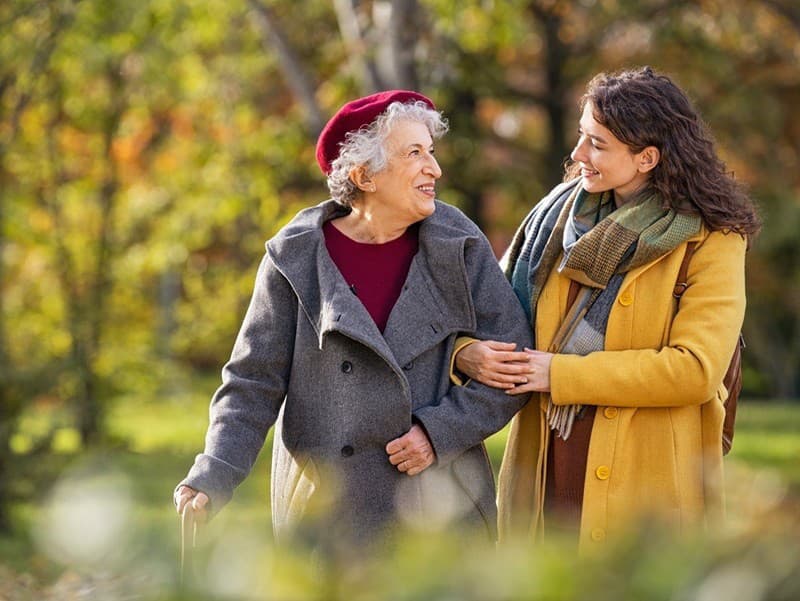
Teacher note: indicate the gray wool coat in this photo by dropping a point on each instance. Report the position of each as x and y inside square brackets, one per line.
[310, 360]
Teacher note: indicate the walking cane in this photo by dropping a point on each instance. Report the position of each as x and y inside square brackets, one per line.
[188, 540]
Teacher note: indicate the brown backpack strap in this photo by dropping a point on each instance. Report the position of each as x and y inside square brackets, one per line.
[681, 282]
[733, 377]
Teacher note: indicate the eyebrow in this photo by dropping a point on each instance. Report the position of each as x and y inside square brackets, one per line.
[593, 137]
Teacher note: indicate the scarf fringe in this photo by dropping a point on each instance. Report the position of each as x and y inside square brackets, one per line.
[561, 418]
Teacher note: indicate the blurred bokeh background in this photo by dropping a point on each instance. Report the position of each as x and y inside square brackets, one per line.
[148, 148]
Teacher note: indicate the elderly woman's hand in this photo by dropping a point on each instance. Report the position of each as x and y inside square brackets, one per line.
[538, 373]
[198, 499]
[493, 363]
[411, 453]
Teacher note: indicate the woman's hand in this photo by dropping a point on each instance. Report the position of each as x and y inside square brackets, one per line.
[538, 373]
[198, 499]
[493, 363]
[412, 452]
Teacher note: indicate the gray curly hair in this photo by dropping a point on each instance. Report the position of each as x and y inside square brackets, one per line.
[366, 146]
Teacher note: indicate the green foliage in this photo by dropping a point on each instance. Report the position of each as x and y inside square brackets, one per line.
[148, 149]
[151, 148]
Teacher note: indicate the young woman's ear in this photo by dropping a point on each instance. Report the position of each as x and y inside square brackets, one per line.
[648, 159]
[362, 180]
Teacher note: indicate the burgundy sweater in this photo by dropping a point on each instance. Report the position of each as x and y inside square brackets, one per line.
[375, 272]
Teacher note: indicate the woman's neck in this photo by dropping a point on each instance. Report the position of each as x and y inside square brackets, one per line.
[369, 226]
[621, 198]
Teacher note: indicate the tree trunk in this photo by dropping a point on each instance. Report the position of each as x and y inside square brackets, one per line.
[297, 77]
[556, 53]
[10, 402]
[361, 61]
[404, 24]
[90, 408]
[9, 410]
[772, 354]
[461, 111]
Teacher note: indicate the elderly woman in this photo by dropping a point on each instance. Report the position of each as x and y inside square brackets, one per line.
[346, 348]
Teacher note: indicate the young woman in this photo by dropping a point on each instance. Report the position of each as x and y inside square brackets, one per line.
[628, 419]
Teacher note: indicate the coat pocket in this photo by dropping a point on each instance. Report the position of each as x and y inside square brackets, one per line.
[473, 472]
[300, 484]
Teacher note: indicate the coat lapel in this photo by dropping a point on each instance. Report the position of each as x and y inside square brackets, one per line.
[434, 302]
[299, 253]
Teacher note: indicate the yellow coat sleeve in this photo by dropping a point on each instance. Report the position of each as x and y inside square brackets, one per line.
[461, 343]
[654, 359]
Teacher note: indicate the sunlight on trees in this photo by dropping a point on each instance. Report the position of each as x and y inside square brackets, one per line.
[148, 149]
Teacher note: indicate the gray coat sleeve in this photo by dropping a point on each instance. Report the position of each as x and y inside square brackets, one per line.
[254, 383]
[467, 415]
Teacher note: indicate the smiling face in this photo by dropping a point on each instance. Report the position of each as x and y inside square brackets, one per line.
[405, 189]
[607, 163]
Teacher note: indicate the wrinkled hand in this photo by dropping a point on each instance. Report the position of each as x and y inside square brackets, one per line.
[494, 363]
[412, 452]
[199, 501]
[538, 373]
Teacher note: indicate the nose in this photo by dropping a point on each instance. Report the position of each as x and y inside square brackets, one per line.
[578, 153]
[432, 167]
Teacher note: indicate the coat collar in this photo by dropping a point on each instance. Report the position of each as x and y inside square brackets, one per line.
[636, 272]
[434, 302]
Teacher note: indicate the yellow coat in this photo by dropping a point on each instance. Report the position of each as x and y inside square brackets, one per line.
[655, 447]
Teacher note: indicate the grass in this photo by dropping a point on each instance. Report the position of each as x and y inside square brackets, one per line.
[157, 441]
[768, 436]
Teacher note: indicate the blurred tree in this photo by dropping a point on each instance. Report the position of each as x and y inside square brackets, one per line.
[22, 64]
[82, 103]
[508, 76]
[147, 150]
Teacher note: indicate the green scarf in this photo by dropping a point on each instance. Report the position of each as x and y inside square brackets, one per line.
[600, 241]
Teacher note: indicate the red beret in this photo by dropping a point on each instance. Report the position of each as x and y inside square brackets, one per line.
[354, 115]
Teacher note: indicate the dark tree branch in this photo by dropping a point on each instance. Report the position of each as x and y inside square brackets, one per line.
[789, 11]
[556, 54]
[297, 76]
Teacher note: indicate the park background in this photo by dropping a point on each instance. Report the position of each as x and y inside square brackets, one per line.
[149, 148]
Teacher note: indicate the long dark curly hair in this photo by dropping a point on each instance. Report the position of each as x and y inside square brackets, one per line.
[643, 108]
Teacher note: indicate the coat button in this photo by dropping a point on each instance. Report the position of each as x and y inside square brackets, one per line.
[603, 472]
[610, 412]
[625, 299]
[347, 451]
[408, 366]
[598, 535]
[347, 367]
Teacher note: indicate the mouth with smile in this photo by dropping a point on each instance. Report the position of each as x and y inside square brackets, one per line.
[428, 190]
[588, 172]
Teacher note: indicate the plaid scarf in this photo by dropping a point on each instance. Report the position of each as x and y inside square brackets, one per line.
[598, 244]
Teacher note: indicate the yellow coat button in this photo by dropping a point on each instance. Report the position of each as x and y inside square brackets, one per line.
[610, 412]
[598, 535]
[625, 299]
[603, 472]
